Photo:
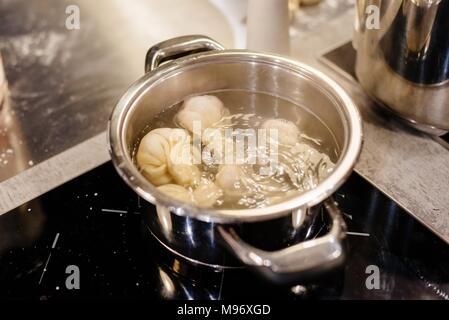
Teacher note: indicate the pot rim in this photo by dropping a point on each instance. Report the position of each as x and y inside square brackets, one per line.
[129, 172]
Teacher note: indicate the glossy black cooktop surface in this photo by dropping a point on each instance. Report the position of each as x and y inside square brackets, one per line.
[88, 234]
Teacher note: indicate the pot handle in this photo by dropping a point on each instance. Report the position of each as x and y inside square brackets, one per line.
[178, 47]
[297, 262]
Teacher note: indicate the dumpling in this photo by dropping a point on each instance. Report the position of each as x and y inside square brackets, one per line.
[279, 198]
[177, 192]
[229, 178]
[221, 142]
[152, 156]
[165, 156]
[181, 162]
[206, 110]
[207, 193]
[185, 175]
[287, 132]
[217, 146]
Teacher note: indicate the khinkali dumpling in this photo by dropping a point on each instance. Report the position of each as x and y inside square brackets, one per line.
[287, 132]
[177, 192]
[207, 193]
[280, 197]
[230, 179]
[165, 156]
[217, 146]
[205, 110]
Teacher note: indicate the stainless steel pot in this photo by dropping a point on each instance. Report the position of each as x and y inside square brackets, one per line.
[193, 65]
[404, 63]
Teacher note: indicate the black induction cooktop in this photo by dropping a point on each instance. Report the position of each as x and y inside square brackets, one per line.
[85, 240]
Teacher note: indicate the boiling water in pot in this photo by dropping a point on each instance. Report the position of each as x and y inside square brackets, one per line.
[295, 154]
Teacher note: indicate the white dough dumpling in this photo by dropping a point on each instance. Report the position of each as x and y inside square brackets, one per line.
[229, 178]
[207, 193]
[185, 174]
[177, 192]
[216, 146]
[287, 132]
[164, 157]
[181, 167]
[205, 110]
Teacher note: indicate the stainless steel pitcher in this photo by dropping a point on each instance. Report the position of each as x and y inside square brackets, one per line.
[404, 63]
